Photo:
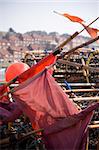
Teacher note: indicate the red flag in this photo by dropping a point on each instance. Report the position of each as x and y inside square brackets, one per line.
[70, 132]
[47, 106]
[73, 18]
[42, 95]
[37, 68]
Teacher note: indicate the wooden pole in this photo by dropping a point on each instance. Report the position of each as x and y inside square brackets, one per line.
[77, 65]
[82, 90]
[84, 70]
[80, 46]
[67, 41]
[87, 141]
[95, 98]
[93, 126]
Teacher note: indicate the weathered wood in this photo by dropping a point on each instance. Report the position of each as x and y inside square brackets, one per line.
[93, 126]
[78, 84]
[81, 90]
[95, 98]
[84, 70]
[93, 69]
[95, 122]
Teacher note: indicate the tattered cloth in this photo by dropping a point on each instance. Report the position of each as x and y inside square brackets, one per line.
[48, 107]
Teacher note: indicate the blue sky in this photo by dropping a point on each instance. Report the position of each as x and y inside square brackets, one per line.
[29, 15]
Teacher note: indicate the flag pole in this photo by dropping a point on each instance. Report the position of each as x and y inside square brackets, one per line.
[84, 27]
[89, 24]
[66, 41]
[80, 46]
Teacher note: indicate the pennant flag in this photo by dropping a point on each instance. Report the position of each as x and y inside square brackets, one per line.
[73, 18]
[45, 103]
[93, 32]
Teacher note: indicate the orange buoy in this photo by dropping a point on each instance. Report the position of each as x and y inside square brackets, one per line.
[14, 70]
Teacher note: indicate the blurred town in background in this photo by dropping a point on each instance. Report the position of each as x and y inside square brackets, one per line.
[14, 46]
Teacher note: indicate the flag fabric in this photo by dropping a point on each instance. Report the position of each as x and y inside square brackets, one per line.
[41, 93]
[9, 112]
[47, 61]
[48, 107]
[73, 18]
[70, 132]
[93, 32]
[3, 89]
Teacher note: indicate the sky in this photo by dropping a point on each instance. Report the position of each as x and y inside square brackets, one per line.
[29, 15]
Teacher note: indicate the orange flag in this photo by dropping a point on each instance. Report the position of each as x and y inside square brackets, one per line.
[93, 32]
[73, 18]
